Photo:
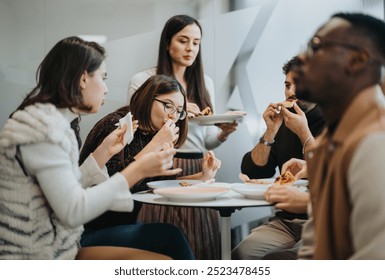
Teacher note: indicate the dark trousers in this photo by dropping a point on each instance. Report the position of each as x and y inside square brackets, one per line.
[156, 237]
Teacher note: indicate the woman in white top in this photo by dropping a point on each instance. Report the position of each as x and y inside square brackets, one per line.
[180, 56]
[44, 195]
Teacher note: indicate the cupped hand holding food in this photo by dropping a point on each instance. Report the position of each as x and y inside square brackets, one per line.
[110, 146]
[210, 166]
[193, 110]
[296, 122]
[296, 166]
[272, 118]
[167, 134]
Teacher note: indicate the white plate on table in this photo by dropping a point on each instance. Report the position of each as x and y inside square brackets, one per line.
[171, 183]
[252, 191]
[213, 119]
[192, 194]
[267, 181]
[257, 191]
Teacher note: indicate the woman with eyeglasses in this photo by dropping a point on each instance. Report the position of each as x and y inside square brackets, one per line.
[159, 106]
[180, 56]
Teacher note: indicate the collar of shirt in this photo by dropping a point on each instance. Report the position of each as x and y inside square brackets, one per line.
[366, 101]
[68, 114]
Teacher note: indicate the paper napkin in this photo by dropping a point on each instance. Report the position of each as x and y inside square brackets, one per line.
[129, 135]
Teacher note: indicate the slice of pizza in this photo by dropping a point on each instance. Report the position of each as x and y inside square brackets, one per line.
[206, 111]
[285, 179]
[288, 103]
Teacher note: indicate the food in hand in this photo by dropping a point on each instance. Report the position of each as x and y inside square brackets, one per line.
[206, 111]
[288, 103]
[285, 179]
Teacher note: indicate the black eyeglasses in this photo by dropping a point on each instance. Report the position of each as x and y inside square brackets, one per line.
[317, 43]
[170, 108]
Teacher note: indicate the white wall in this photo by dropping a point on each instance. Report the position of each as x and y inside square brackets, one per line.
[243, 50]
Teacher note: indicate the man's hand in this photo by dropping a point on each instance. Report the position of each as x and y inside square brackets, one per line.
[297, 123]
[288, 198]
[272, 118]
[296, 166]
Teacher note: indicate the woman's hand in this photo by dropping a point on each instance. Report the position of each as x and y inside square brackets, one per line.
[227, 129]
[296, 166]
[193, 110]
[210, 166]
[111, 145]
[169, 133]
[151, 164]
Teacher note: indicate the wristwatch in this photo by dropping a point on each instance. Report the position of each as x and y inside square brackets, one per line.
[266, 143]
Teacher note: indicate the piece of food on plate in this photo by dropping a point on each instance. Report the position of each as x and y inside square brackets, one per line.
[285, 179]
[206, 111]
[185, 184]
[247, 180]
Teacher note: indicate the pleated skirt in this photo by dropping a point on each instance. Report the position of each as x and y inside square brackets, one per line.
[200, 225]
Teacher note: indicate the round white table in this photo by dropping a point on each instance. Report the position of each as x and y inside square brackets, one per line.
[226, 204]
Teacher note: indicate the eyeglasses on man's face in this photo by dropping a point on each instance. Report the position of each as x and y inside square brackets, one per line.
[170, 108]
[317, 43]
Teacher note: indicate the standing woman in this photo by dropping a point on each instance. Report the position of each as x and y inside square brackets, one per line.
[180, 56]
[44, 195]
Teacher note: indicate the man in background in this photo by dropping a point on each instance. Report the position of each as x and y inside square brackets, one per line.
[286, 136]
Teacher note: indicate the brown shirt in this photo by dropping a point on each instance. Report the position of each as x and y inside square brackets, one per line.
[328, 166]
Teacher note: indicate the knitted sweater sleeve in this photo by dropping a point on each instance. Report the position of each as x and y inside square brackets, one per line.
[72, 204]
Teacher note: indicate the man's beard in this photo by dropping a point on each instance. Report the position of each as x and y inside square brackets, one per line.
[305, 106]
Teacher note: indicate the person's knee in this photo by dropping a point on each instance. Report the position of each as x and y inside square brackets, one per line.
[242, 251]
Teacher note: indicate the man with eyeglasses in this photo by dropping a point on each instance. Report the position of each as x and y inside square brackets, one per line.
[341, 72]
[286, 134]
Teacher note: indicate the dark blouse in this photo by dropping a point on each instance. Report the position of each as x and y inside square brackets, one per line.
[117, 163]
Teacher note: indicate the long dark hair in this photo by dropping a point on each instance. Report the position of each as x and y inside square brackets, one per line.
[144, 96]
[196, 88]
[58, 75]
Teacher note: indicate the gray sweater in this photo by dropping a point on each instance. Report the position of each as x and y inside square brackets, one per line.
[29, 229]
